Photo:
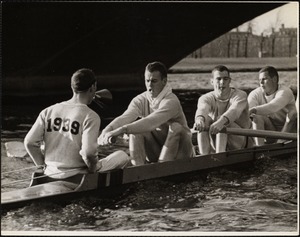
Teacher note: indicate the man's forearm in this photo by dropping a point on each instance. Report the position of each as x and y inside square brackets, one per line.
[91, 163]
[36, 154]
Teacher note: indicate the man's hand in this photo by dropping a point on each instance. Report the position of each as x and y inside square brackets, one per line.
[102, 139]
[252, 112]
[91, 163]
[217, 126]
[99, 165]
[199, 124]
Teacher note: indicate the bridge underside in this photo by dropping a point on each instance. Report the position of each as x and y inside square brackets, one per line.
[44, 43]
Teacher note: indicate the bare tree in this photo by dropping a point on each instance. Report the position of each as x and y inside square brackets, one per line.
[274, 24]
[249, 32]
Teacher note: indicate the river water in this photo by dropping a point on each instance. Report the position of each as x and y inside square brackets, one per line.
[261, 199]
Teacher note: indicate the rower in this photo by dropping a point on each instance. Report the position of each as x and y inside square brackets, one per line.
[272, 106]
[69, 132]
[155, 122]
[224, 107]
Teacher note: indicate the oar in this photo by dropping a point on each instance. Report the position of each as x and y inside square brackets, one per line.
[32, 167]
[260, 133]
[39, 177]
[102, 98]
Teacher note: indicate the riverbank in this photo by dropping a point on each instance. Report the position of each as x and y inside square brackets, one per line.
[204, 65]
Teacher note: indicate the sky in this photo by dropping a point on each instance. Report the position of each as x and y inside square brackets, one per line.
[287, 15]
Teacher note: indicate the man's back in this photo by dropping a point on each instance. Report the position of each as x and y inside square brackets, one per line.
[67, 129]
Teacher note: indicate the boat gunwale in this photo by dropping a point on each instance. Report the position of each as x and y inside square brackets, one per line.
[111, 178]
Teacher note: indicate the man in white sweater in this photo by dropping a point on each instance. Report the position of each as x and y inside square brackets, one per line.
[225, 106]
[155, 122]
[69, 132]
[272, 106]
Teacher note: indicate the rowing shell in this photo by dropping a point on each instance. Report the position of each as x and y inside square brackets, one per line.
[115, 178]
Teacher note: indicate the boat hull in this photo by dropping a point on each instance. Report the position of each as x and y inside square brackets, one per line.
[115, 179]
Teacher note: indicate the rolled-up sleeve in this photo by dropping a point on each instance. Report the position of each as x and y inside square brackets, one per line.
[90, 134]
[34, 139]
[166, 111]
[133, 111]
[204, 105]
[238, 103]
[281, 99]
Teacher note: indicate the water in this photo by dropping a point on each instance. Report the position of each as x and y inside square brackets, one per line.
[262, 198]
[257, 199]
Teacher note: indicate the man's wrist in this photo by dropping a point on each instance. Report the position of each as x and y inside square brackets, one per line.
[108, 128]
[200, 118]
[124, 129]
[253, 110]
[225, 120]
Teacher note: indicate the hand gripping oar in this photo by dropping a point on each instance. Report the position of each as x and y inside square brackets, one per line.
[260, 133]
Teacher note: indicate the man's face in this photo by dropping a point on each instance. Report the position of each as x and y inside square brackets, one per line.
[267, 83]
[154, 83]
[221, 82]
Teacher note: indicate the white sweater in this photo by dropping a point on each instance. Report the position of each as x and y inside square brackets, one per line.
[277, 106]
[69, 132]
[169, 110]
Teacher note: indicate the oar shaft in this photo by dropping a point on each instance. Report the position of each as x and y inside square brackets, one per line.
[260, 133]
[32, 167]
[39, 177]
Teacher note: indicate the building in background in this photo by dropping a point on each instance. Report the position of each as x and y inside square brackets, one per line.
[282, 43]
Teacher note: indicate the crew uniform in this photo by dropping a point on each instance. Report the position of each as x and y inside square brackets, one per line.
[69, 131]
[278, 107]
[155, 117]
[235, 109]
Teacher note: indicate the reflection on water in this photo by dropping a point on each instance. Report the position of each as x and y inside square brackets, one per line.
[258, 198]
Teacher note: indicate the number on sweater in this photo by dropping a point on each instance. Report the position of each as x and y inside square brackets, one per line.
[64, 125]
[75, 127]
[57, 124]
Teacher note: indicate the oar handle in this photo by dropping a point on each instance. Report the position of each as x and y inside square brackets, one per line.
[260, 133]
[112, 140]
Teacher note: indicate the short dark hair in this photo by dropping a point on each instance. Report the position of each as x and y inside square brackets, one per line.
[82, 80]
[220, 68]
[157, 66]
[270, 70]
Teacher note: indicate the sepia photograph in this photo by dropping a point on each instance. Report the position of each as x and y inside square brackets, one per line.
[149, 118]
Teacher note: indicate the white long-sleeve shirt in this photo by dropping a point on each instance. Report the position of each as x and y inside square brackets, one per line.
[69, 132]
[235, 109]
[276, 106]
[169, 111]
